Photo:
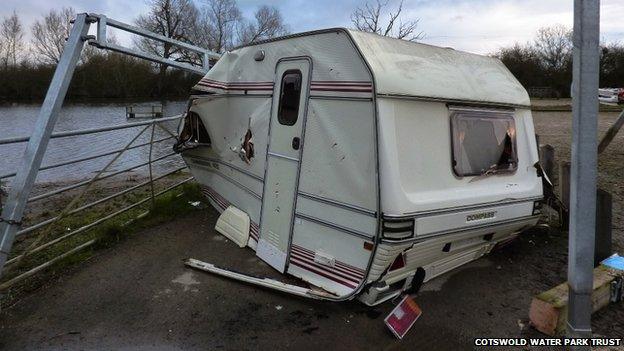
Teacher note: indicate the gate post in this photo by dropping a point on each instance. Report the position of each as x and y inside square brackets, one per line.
[24, 180]
[584, 166]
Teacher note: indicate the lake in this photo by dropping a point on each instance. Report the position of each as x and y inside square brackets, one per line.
[19, 120]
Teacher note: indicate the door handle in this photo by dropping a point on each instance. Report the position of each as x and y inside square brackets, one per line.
[296, 143]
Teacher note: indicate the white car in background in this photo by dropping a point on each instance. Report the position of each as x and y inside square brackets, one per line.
[611, 95]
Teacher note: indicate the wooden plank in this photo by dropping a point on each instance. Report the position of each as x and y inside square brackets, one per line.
[604, 220]
[547, 160]
[549, 310]
[611, 133]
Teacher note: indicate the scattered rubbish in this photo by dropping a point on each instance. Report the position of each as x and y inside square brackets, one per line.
[403, 316]
[614, 261]
[521, 324]
[499, 267]
[279, 307]
[194, 203]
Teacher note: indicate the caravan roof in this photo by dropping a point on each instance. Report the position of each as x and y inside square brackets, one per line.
[403, 68]
[413, 69]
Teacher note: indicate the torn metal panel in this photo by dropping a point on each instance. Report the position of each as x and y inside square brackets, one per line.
[264, 282]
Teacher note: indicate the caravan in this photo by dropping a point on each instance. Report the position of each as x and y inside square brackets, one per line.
[361, 164]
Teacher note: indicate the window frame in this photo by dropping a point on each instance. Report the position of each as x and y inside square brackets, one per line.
[281, 94]
[456, 112]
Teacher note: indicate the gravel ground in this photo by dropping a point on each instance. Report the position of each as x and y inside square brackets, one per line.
[139, 295]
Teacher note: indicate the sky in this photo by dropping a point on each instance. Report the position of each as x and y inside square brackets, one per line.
[479, 26]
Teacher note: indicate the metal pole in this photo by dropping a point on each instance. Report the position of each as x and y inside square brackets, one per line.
[584, 161]
[31, 161]
[151, 177]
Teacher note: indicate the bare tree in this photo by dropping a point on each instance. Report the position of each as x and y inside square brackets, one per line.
[12, 34]
[49, 34]
[220, 18]
[175, 19]
[370, 19]
[2, 48]
[268, 24]
[554, 46]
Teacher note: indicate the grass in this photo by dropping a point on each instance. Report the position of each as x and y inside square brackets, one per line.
[165, 208]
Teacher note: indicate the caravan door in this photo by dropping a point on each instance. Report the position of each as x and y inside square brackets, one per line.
[283, 160]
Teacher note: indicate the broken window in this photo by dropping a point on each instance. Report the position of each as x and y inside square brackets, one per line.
[290, 92]
[193, 133]
[484, 142]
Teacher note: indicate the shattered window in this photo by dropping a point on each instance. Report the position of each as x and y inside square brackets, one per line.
[484, 142]
[194, 130]
[290, 92]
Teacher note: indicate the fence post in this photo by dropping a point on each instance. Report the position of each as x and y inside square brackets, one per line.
[33, 155]
[564, 193]
[585, 69]
[604, 214]
[547, 160]
[150, 164]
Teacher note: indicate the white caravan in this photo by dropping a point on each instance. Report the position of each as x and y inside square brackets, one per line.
[361, 164]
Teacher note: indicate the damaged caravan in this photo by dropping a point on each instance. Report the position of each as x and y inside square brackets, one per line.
[362, 165]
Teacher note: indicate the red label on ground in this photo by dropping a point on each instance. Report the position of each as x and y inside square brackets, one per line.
[403, 316]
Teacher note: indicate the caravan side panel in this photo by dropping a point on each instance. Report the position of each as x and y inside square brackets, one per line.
[336, 216]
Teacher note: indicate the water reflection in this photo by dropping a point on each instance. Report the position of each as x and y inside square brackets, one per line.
[19, 120]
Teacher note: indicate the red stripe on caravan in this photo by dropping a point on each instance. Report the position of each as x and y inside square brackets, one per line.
[211, 85]
[354, 90]
[338, 270]
[344, 265]
[218, 196]
[216, 201]
[311, 269]
[221, 201]
[235, 83]
[326, 269]
[347, 82]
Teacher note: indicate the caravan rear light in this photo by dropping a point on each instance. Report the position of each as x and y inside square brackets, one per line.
[398, 229]
[399, 262]
[537, 208]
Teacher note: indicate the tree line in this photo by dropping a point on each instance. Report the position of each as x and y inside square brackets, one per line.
[26, 68]
[547, 61]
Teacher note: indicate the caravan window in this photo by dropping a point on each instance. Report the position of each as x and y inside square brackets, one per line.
[483, 142]
[290, 92]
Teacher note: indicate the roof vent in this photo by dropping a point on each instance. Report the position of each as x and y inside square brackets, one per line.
[259, 56]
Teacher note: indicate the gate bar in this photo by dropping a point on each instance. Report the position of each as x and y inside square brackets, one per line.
[27, 172]
[101, 42]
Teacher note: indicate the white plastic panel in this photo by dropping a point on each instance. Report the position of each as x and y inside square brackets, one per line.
[436, 224]
[416, 163]
[347, 218]
[339, 152]
[234, 224]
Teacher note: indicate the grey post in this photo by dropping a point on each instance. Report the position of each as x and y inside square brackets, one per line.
[584, 161]
[547, 160]
[31, 161]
